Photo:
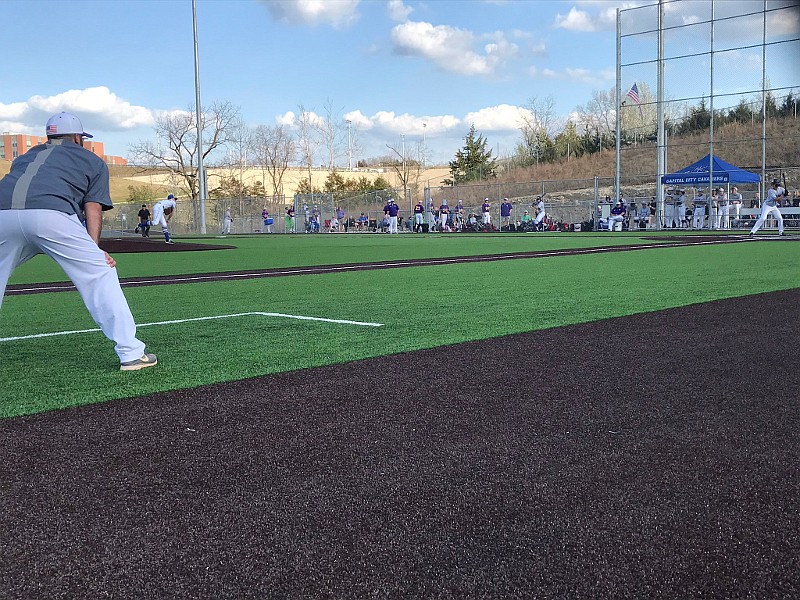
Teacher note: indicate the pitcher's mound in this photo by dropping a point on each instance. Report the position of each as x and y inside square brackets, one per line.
[141, 244]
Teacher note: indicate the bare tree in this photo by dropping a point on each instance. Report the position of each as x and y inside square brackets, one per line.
[538, 126]
[240, 143]
[307, 138]
[354, 140]
[639, 119]
[600, 113]
[406, 166]
[175, 147]
[332, 131]
[274, 149]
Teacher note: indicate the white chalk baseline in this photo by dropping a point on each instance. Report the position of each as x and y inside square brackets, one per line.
[209, 318]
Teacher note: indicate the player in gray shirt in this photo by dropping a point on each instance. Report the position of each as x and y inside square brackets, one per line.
[50, 192]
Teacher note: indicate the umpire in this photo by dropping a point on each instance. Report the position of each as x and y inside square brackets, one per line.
[45, 197]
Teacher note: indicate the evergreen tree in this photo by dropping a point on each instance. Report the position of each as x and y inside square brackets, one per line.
[473, 162]
[568, 142]
[334, 183]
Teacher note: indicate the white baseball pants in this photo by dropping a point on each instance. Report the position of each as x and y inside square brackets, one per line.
[766, 209]
[28, 232]
[698, 216]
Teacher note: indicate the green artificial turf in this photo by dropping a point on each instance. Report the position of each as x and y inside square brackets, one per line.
[421, 307]
[277, 251]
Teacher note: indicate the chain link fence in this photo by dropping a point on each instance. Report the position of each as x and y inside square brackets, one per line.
[570, 202]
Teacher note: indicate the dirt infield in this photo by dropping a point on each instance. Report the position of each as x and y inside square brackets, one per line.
[649, 456]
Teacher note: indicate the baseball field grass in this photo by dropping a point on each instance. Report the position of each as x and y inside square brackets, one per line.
[265, 252]
[213, 332]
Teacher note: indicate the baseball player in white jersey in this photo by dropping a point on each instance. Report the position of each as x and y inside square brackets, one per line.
[162, 213]
[680, 209]
[540, 214]
[736, 202]
[699, 214]
[226, 222]
[770, 205]
[669, 208]
[44, 199]
[723, 219]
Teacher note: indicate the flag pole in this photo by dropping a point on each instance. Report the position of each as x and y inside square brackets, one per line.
[619, 116]
[661, 158]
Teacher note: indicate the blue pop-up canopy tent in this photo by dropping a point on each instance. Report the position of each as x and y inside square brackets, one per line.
[697, 173]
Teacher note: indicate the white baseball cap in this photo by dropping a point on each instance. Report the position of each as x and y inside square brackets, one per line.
[65, 123]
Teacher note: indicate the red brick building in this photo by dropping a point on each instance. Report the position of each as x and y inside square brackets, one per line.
[13, 145]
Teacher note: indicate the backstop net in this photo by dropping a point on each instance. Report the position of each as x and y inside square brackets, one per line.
[726, 79]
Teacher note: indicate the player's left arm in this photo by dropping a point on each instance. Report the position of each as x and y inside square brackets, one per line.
[93, 212]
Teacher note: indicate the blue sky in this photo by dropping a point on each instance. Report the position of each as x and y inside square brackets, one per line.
[388, 66]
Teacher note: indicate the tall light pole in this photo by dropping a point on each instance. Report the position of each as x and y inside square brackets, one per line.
[201, 180]
[424, 147]
[349, 148]
[403, 140]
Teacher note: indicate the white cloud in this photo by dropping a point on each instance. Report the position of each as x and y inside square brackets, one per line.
[337, 13]
[784, 22]
[447, 47]
[12, 111]
[398, 11]
[603, 16]
[359, 119]
[499, 48]
[413, 125]
[503, 117]
[538, 49]
[575, 74]
[287, 118]
[575, 20]
[97, 107]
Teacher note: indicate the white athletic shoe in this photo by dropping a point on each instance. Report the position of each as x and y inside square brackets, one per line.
[146, 360]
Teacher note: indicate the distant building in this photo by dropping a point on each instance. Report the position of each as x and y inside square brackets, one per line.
[13, 145]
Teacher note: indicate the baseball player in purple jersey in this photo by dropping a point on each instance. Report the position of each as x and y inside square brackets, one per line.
[505, 212]
[617, 215]
[485, 208]
[45, 197]
[419, 212]
[444, 213]
[390, 212]
[770, 205]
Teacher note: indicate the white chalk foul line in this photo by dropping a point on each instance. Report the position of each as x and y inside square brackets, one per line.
[211, 318]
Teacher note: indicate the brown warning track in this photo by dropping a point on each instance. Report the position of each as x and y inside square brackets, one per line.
[20, 289]
[650, 456]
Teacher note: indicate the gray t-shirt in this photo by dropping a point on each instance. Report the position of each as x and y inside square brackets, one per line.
[772, 195]
[59, 175]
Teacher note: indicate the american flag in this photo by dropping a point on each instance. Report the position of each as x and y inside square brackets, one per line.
[52, 129]
[633, 94]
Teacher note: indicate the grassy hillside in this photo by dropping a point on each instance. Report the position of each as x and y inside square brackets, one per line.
[737, 143]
